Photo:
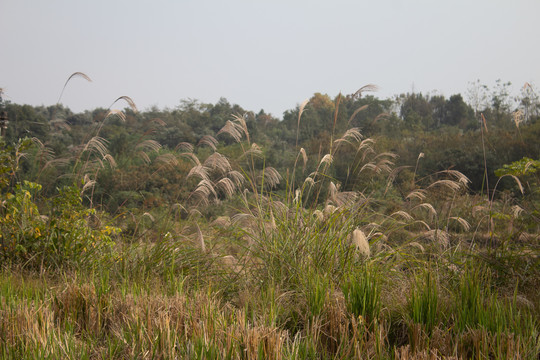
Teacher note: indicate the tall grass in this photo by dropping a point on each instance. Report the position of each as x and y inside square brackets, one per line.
[424, 301]
[362, 294]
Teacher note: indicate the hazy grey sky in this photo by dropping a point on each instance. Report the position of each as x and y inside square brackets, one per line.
[260, 54]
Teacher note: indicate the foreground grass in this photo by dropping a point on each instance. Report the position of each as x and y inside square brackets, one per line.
[386, 307]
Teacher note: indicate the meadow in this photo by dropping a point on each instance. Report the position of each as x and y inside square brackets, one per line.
[251, 260]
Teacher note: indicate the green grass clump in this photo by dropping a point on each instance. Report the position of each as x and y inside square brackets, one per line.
[424, 301]
[479, 305]
[363, 294]
[317, 290]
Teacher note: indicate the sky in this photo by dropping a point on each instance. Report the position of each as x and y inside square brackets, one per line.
[260, 54]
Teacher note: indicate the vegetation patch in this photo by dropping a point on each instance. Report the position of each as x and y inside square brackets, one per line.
[348, 229]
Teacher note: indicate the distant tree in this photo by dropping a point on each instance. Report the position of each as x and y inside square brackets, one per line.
[439, 110]
[317, 117]
[26, 121]
[501, 101]
[265, 126]
[528, 103]
[221, 112]
[477, 97]
[416, 112]
[458, 113]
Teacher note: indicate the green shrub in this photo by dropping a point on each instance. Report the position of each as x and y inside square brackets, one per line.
[62, 237]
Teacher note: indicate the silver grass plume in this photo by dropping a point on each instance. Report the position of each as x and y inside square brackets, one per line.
[209, 141]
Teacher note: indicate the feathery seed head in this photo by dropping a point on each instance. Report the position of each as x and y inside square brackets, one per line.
[464, 223]
[402, 214]
[88, 183]
[116, 112]
[271, 176]
[149, 145]
[221, 221]
[254, 150]
[365, 88]
[329, 210]
[304, 158]
[431, 210]
[309, 181]
[184, 146]
[232, 129]
[516, 211]
[209, 141]
[236, 177]
[168, 160]
[241, 124]
[327, 160]
[318, 215]
[517, 117]
[439, 236]
[450, 184]
[416, 245]
[361, 108]
[419, 194]
[359, 241]
[148, 215]
[200, 171]
[110, 160]
[226, 185]
[194, 159]
[127, 99]
[218, 162]
[345, 199]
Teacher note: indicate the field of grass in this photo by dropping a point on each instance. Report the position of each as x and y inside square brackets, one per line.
[426, 271]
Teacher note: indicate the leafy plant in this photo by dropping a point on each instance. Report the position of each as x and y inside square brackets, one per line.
[524, 166]
[62, 237]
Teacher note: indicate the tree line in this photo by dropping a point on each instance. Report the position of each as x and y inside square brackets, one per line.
[485, 129]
